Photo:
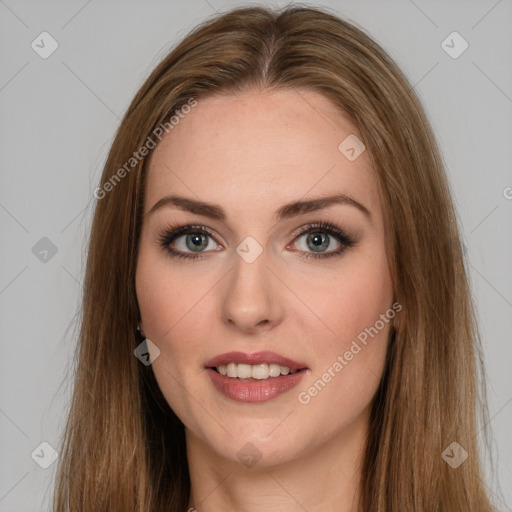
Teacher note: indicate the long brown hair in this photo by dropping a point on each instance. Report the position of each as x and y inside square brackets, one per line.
[123, 447]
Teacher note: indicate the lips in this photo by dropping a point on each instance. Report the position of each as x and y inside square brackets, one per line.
[254, 359]
[252, 390]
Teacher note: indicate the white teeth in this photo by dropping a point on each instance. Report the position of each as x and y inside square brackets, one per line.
[231, 370]
[257, 371]
[244, 371]
[274, 370]
[260, 371]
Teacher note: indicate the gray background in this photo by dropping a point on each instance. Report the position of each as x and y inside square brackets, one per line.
[58, 118]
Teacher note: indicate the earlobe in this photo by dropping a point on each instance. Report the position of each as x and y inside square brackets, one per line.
[396, 322]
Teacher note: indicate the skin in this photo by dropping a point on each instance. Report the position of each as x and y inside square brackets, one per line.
[252, 153]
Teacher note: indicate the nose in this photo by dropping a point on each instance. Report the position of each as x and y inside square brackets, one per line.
[251, 299]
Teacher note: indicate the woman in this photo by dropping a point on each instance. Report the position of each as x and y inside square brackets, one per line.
[322, 354]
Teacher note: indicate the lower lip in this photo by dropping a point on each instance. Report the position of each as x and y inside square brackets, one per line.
[253, 391]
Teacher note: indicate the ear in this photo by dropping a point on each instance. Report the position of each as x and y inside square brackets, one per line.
[397, 321]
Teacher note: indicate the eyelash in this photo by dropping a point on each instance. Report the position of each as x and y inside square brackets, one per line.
[174, 231]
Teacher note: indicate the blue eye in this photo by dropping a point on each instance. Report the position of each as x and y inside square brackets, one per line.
[196, 240]
[319, 236]
[196, 237]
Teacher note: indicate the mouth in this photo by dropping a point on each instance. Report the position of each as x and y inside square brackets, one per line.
[255, 377]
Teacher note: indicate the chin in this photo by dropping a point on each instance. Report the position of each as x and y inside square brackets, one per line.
[251, 445]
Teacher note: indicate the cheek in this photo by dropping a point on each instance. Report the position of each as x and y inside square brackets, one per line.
[347, 302]
[350, 342]
[167, 295]
[172, 305]
[177, 307]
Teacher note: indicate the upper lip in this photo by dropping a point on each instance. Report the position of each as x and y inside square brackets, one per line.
[253, 359]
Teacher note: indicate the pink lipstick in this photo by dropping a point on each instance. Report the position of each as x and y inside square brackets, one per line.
[256, 377]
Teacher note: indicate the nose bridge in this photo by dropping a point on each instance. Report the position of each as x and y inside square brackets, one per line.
[249, 298]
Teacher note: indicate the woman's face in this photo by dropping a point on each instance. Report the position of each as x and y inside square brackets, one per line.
[253, 169]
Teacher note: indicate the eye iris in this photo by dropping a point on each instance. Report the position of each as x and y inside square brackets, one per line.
[195, 240]
[320, 241]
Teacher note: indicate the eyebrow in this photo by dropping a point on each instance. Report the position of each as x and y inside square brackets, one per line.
[289, 210]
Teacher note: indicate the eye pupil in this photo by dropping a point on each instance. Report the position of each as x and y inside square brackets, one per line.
[198, 241]
[320, 240]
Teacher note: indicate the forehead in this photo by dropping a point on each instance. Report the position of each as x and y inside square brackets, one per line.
[258, 149]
